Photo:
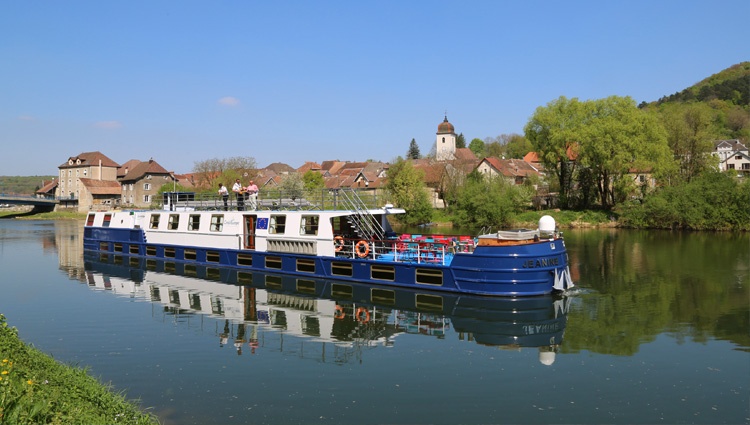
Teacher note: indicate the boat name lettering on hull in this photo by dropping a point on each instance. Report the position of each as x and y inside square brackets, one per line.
[541, 262]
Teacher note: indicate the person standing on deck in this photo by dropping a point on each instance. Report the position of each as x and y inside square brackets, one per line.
[252, 191]
[224, 194]
[240, 192]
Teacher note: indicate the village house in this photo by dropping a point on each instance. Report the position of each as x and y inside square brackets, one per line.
[141, 181]
[733, 155]
[88, 181]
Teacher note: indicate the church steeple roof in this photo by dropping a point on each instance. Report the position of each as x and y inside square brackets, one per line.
[445, 127]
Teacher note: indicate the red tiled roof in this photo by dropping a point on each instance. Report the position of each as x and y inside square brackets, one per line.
[101, 187]
[89, 159]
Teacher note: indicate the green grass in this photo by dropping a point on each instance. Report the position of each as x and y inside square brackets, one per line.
[565, 218]
[36, 389]
[56, 215]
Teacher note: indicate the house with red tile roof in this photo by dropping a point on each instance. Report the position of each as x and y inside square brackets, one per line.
[91, 166]
[141, 183]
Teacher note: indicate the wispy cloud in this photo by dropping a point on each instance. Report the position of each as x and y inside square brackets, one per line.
[108, 124]
[229, 101]
[26, 118]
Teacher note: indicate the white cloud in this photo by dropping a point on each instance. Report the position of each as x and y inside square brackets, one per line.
[108, 124]
[229, 101]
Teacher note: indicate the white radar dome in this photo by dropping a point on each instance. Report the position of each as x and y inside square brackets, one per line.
[547, 225]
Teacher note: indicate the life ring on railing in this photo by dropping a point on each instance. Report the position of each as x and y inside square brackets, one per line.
[363, 315]
[362, 249]
[338, 243]
[339, 314]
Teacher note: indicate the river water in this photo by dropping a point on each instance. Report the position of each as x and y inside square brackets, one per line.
[656, 331]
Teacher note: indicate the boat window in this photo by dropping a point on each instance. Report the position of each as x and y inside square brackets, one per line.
[90, 220]
[174, 221]
[154, 221]
[305, 265]
[107, 219]
[341, 269]
[429, 276]
[277, 224]
[383, 272]
[309, 225]
[194, 222]
[217, 223]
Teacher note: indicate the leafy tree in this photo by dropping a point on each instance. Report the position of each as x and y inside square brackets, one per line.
[292, 186]
[406, 188]
[460, 141]
[413, 152]
[616, 137]
[486, 202]
[553, 131]
[690, 136]
[313, 180]
[209, 172]
[517, 146]
[477, 146]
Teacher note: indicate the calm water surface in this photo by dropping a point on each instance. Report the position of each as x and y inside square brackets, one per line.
[657, 331]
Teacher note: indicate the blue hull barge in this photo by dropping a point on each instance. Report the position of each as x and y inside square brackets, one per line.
[351, 244]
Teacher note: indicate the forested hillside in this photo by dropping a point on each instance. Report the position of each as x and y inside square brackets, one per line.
[22, 185]
[726, 94]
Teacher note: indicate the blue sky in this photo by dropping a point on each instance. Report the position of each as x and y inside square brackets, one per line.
[296, 81]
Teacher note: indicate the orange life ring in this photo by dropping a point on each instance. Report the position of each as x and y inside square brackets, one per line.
[339, 314]
[363, 315]
[362, 249]
[338, 243]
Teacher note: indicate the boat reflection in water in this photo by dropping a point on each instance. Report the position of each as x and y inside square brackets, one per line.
[341, 313]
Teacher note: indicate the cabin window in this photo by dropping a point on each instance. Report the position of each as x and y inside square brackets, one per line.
[429, 276]
[212, 256]
[190, 254]
[273, 263]
[134, 249]
[244, 260]
[174, 221]
[154, 221]
[383, 272]
[169, 252]
[336, 224]
[277, 224]
[151, 250]
[217, 223]
[309, 225]
[194, 222]
[117, 247]
[107, 220]
[341, 269]
[305, 265]
[90, 220]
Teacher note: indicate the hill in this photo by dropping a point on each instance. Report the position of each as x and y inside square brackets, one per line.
[727, 93]
[22, 185]
[731, 85]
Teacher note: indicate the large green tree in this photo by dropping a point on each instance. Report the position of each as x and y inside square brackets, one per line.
[615, 138]
[477, 146]
[406, 189]
[690, 135]
[553, 130]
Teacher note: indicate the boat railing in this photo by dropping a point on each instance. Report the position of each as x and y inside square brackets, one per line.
[362, 220]
[419, 250]
[272, 199]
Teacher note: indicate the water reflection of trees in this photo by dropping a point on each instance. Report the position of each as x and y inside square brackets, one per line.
[639, 284]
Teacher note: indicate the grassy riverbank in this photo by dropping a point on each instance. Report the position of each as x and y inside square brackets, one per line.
[36, 389]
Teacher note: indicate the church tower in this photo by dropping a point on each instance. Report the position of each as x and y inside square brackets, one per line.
[445, 141]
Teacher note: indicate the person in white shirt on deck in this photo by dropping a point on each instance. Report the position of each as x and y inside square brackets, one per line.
[240, 192]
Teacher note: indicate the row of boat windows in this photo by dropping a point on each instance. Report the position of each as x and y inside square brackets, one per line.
[276, 223]
[304, 286]
[272, 262]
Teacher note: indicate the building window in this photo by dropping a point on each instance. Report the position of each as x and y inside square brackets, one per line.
[148, 177]
[642, 178]
[146, 186]
[70, 173]
[146, 198]
[77, 171]
[730, 166]
[85, 172]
